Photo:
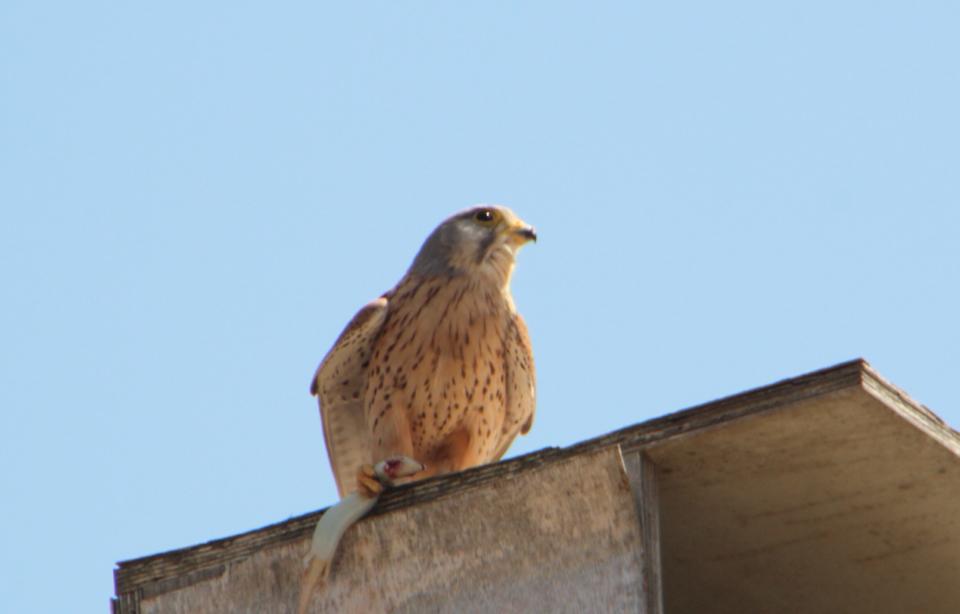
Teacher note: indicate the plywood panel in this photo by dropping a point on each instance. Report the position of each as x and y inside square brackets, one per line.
[833, 504]
[563, 537]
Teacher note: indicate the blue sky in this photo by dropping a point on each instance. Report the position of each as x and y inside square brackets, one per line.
[196, 197]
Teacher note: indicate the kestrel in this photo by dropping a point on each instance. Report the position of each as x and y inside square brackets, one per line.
[439, 369]
[434, 376]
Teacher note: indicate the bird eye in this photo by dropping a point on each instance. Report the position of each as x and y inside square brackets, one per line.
[484, 215]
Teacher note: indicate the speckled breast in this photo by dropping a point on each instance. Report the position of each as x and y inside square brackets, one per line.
[438, 366]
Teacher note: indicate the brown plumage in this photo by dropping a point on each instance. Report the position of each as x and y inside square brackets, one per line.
[440, 368]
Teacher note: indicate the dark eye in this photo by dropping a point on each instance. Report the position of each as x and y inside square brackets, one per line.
[484, 215]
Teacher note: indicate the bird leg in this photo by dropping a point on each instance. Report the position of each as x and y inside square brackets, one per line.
[337, 519]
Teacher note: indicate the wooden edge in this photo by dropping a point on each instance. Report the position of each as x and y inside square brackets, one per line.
[133, 574]
[642, 476]
[126, 603]
[915, 413]
[160, 573]
[698, 418]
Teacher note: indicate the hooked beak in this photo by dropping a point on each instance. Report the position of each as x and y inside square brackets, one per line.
[521, 233]
[528, 233]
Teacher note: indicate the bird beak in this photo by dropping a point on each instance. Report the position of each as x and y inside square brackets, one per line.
[520, 233]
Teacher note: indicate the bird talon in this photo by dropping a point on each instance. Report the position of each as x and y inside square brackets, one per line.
[368, 483]
[373, 479]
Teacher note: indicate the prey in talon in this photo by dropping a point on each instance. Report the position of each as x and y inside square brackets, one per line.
[336, 520]
[372, 480]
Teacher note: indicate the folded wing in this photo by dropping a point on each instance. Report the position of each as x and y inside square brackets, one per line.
[521, 383]
[339, 387]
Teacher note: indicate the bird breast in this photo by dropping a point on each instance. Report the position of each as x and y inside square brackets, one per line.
[437, 366]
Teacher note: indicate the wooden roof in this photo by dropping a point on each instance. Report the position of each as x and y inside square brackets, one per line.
[756, 491]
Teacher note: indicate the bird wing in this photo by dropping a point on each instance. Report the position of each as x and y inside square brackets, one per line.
[339, 387]
[521, 383]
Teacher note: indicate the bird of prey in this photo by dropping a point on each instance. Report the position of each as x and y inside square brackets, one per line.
[434, 376]
[439, 369]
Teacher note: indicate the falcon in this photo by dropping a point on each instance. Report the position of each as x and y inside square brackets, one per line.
[434, 376]
[439, 369]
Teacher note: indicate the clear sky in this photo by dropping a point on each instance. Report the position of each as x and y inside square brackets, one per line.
[196, 197]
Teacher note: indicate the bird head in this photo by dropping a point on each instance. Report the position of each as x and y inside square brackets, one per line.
[482, 241]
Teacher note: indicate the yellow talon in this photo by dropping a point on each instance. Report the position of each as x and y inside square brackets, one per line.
[368, 483]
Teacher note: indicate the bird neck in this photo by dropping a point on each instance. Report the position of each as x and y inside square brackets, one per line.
[497, 268]
[493, 271]
[490, 278]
